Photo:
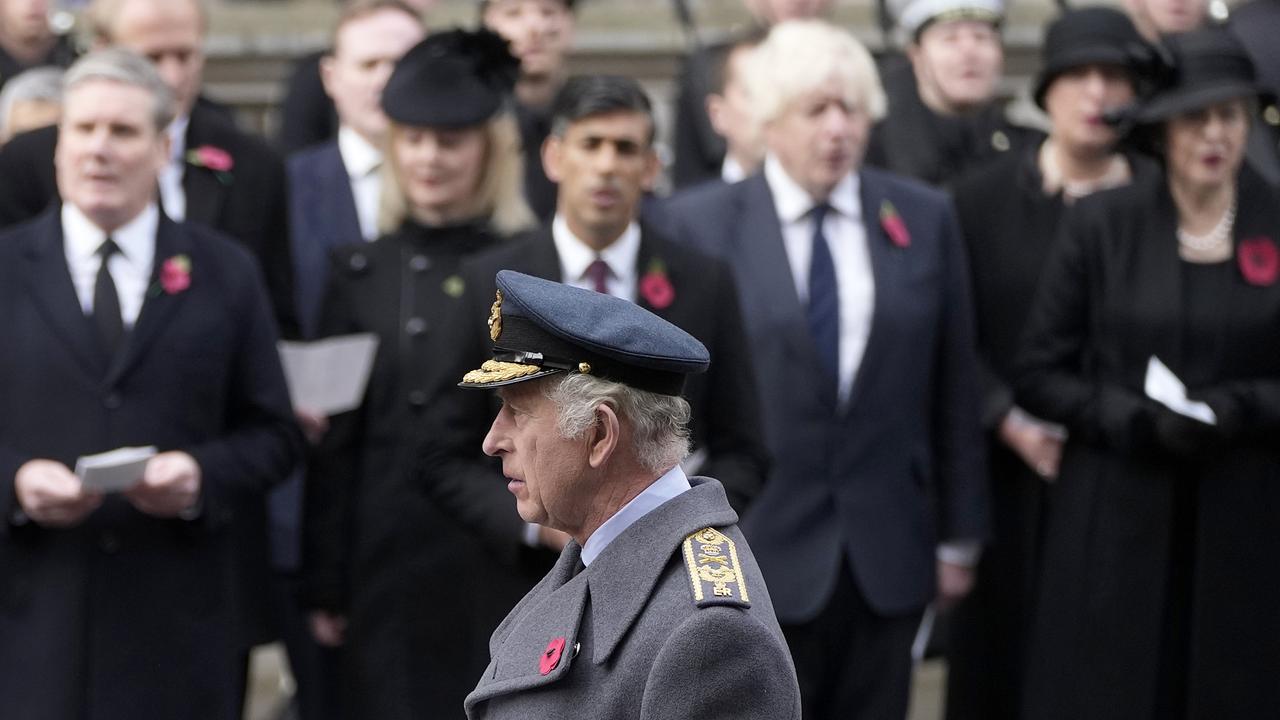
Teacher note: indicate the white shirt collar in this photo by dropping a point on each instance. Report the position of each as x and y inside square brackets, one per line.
[576, 255]
[792, 202]
[358, 155]
[178, 139]
[732, 171]
[672, 483]
[136, 238]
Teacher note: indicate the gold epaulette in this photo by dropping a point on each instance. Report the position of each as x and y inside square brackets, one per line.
[714, 571]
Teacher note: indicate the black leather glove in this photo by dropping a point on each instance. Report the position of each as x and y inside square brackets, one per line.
[1182, 436]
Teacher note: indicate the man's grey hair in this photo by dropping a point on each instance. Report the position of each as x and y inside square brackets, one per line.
[659, 423]
[37, 84]
[799, 56]
[127, 68]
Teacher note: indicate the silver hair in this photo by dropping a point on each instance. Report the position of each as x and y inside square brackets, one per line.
[36, 84]
[659, 423]
[127, 68]
[799, 56]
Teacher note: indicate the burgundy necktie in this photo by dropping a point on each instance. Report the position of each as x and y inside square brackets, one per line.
[599, 273]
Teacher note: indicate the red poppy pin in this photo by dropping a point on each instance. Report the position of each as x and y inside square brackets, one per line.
[550, 657]
[175, 274]
[213, 158]
[893, 225]
[655, 286]
[1259, 261]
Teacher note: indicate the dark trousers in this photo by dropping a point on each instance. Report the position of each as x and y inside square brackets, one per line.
[316, 670]
[852, 663]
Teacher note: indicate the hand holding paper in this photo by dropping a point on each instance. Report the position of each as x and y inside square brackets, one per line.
[52, 496]
[170, 485]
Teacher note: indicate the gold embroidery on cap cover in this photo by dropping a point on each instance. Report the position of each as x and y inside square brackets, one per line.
[494, 371]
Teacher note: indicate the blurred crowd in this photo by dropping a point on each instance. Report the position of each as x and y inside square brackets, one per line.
[1017, 384]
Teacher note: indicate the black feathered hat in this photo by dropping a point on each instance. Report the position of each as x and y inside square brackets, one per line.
[455, 78]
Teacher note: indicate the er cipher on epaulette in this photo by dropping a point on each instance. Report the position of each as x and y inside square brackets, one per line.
[714, 571]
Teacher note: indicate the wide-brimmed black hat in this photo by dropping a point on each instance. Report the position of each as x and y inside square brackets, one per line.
[452, 79]
[1091, 36]
[1206, 66]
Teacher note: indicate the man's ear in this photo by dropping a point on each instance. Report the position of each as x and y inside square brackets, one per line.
[715, 112]
[552, 150]
[326, 74]
[605, 436]
[652, 169]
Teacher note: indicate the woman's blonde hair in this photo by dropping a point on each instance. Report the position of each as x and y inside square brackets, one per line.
[499, 197]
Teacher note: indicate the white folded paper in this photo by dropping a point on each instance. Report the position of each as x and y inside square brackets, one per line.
[1165, 388]
[328, 376]
[114, 471]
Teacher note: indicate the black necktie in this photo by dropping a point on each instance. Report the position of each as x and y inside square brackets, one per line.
[824, 300]
[106, 301]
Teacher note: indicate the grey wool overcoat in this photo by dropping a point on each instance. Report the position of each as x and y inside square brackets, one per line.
[672, 620]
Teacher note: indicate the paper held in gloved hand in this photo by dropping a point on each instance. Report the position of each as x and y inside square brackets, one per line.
[1165, 388]
[115, 470]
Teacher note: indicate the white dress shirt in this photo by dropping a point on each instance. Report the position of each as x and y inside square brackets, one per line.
[621, 256]
[847, 238]
[671, 484]
[172, 196]
[130, 268]
[362, 161]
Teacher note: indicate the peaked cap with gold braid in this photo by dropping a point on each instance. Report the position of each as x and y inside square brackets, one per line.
[540, 327]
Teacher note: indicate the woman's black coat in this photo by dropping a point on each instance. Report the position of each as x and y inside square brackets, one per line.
[1112, 296]
[421, 595]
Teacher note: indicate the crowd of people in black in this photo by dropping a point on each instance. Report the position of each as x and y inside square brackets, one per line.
[1027, 378]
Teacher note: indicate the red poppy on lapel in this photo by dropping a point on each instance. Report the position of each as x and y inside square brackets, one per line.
[1259, 261]
[175, 274]
[893, 225]
[655, 286]
[550, 657]
[216, 159]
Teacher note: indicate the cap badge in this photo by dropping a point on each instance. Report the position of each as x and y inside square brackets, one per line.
[495, 318]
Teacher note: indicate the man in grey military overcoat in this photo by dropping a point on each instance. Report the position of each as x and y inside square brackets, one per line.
[656, 608]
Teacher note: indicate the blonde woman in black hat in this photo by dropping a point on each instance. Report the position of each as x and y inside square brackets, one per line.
[1155, 339]
[392, 579]
[1009, 214]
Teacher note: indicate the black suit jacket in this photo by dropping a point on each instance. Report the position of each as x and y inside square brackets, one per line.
[725, 418]
[322, 216]
[127, 615]
[248, 203]
[878, 482]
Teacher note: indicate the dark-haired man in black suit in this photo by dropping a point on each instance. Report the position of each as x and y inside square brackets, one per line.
[601, 155]
[135, 331]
